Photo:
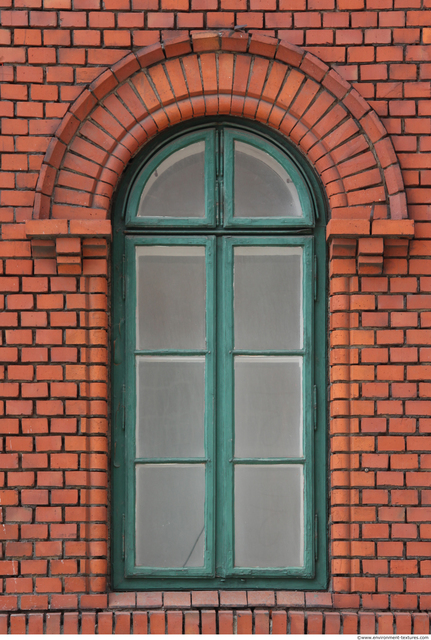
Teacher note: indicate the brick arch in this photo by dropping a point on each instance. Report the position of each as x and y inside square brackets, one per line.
[258, 78]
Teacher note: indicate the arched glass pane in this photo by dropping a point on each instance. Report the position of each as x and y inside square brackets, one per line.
[176, 188]
[262, 187]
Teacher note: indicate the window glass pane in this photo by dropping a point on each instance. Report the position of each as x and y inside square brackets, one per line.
[170, 396]
[269, 518]
[268, 297]
[170, 515]
[263, 188]
[177, 187]
[171, 291]
[268, 407]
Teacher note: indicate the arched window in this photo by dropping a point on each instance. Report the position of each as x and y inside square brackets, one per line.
[218, 372]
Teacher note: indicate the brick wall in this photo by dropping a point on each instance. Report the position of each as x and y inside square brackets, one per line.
[66, 108]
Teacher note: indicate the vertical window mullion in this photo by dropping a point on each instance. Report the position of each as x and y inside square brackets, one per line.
[224, 408]
[210, 408]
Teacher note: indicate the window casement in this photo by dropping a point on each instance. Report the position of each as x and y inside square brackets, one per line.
[218, 365]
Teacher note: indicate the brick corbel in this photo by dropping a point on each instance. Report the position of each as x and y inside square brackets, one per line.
[68, 244]
[69, 255]
[370, 256]
[367, 241]
[70, 247]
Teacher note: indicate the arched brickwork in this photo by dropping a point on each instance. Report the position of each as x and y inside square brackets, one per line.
[255, 77]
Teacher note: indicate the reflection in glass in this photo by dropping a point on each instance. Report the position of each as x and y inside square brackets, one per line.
[176, 188]
[269, 516]
[268, 407]
[268, 297]
[262, 187]
[170, 394]
[170, 295]
[170, 515]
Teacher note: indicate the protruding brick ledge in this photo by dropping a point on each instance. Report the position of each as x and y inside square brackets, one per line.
[70, 228]
[393, 228]
[347, 228]
[356, 228]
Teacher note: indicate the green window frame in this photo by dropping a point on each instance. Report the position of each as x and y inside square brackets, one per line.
[220, 235]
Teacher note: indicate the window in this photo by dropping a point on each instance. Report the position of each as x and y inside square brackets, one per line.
[218, 365]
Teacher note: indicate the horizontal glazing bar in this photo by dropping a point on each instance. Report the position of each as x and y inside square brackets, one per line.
[217, 232]
[171, 460]
[279, 352]
[268, 460]
[171, 352]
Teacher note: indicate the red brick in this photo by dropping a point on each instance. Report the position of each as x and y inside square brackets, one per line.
[315, 623]
[297, 622]
[157, 622]
[279, 622]
[175, 622]
[233, 598]
[191, 622]
[202, 598]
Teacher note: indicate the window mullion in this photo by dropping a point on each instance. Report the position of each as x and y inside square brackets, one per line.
[219, 176]
[224, 410]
